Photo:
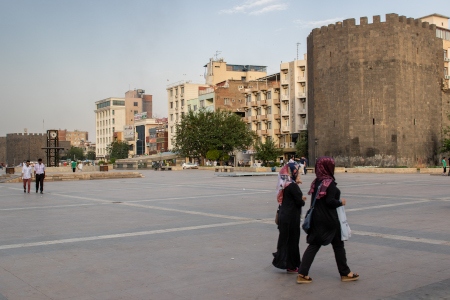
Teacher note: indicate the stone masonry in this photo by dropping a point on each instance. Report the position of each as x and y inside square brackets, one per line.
[20, 147]
[374, 92]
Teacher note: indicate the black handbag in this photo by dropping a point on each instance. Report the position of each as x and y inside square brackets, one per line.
[308, 218]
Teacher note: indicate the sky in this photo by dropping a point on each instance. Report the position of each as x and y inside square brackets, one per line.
[57, 57]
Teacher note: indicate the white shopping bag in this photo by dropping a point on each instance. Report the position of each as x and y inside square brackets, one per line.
[346, 232]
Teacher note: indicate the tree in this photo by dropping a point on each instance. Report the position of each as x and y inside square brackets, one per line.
[301, 146]
[91, 155]
[118, 150]
[75, 153]
[267, 151]
[446, 140]
[197, 133]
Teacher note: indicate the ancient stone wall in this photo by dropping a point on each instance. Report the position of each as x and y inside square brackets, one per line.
[3, 149]
[20, 147]
[374, 92]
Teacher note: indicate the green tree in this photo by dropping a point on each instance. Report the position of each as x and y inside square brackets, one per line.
[118, 150]
[213, 154]
[197, 133]
[75, 153]
[267, 151]
[91, 155]
[301, 147]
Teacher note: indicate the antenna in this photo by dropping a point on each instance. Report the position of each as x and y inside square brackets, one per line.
[217, 54]
[297, 49]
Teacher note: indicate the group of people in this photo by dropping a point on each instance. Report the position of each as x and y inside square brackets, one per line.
[325, 226]
[39, 173]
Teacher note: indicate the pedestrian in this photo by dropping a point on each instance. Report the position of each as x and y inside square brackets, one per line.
[39, 174]
[290, 209]
[449, 165]
[26, 176]
[281, 162]
[80, 166]
[306, 164]
[74, 165]
[444, 165]
[325, 225]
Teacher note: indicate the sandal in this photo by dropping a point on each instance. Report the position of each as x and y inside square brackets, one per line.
[346, 278]
[303, 279]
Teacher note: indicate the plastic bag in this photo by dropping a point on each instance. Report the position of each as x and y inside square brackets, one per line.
[346, 232]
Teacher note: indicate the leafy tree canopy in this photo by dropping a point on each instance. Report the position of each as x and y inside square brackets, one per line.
[267, 151]
[197, 133]
[75, 153]
[301, 147]
[118, 150]
[91, 155]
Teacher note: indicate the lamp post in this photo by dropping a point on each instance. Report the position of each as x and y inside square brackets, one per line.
[160, 156]
[315, 148]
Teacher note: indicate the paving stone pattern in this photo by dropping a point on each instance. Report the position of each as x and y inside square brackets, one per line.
[194, 235]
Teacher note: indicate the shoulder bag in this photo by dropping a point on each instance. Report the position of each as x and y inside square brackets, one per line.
[308, 218]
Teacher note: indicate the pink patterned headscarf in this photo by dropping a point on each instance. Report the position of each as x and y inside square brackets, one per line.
[287, 175]
[325, 173]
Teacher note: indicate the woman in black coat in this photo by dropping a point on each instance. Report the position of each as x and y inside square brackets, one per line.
[288, 252]
[325, 225]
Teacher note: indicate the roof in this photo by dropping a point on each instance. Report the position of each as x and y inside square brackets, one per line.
[435, 15]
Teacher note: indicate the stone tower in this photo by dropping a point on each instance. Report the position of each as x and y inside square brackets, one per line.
[374, 92]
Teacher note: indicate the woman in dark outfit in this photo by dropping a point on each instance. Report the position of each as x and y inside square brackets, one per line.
[288, 252]
[325, 226]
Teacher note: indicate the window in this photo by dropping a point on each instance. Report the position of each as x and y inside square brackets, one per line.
[114, 129]
[445, 71]
[182, 114]
[171, 129]
[269, 95]
[202, 103]
[445, 54]
[176, 91]
[135, 104]
[226, 101]
[182, 102]
[113, 121]
[249, 98]
[176, 117]
[171, 92]
[182, 89]
[189, 107]
[135, 112]
[113, 112]
[171, 117]
[269, 110]
[259, 126]
[176, 104]
[195, 107]
[171, 104]
[258, 97]
[269, 125]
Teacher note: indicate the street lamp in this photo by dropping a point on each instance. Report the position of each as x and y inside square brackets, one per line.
[315, 148]
[160, 156]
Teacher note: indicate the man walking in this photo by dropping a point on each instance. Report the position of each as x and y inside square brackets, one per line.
[74, 165]
[39, 174]
[26, 176]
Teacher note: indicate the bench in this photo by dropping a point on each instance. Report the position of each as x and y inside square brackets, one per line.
[166, 168]
[224, 169]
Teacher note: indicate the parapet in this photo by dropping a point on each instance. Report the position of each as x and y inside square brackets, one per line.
[26, 134]
[363, 21]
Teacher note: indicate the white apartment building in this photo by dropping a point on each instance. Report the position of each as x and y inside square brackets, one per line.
[178, 95]
[109, 118]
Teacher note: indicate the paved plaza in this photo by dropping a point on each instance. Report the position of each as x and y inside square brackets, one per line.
[193, 235]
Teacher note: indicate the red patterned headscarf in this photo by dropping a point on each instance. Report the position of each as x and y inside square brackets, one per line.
[287, 175]
[325, 174]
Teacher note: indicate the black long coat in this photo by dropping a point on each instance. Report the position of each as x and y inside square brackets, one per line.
[325, 221]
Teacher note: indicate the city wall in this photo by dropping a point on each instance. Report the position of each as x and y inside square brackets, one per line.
[20, 147]
[374, 92]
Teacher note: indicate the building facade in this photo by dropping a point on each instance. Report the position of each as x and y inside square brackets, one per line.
[76, 138]
[374, 92]
[217, 70]
[109, 118]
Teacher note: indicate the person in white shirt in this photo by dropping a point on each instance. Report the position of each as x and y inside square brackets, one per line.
[39, 173]
[26, 176]
[80, 166]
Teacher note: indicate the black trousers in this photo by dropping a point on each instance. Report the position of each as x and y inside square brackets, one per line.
[339, 255]
[40, 181]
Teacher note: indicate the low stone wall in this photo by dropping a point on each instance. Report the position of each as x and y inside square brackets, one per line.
[431, 170]
[383, 170]
[67, 176]
[66, 169]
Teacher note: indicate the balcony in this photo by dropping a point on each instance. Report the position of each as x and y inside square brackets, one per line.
[246, 105]
[285, 97]
[285, 113]
[447, 76]
[263, 117]
[447, 59]
[301, 79]
[284, 82]
[263, 102]
[276, 100]
[276, 116]
[254, 103]
[301, 95]
[302, 127]
[301, 111]
[276, 131]
[254, 118]
[285, 129]
[264, 132]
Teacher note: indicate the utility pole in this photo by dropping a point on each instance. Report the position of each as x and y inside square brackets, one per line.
[298, 44]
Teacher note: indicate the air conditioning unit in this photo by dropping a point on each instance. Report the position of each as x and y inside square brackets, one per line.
[447, 76]
[182, 107]
[447, 58]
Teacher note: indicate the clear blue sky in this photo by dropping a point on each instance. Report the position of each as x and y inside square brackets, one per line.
[57, 57]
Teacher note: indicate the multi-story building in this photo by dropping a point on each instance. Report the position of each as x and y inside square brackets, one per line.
[136, 101]
[217, 70]
[109, 118]
[144, 129]
[276, 106]
[157, 141]
[178, 95]
[76, 138]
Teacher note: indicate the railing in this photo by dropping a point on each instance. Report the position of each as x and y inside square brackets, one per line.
[285, 129]
[285, 97]
[302, 127]
[285, 113]
[284, 82]
[301, 95]
[301, 111]
[300, 79]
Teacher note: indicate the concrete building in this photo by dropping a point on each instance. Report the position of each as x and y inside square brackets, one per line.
[217, 70]
[109, 118]
[144, 129]
[76, 138]
[374, 92]
[178, 95]
[136, 101]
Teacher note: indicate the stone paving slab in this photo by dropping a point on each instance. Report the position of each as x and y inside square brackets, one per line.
[194, 235]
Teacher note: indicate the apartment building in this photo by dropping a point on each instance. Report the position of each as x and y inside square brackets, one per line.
[276, 106]
[178, 95]
[442, 32]
[76, 138]
[136, 101]
[109, 118]
[218, 71]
